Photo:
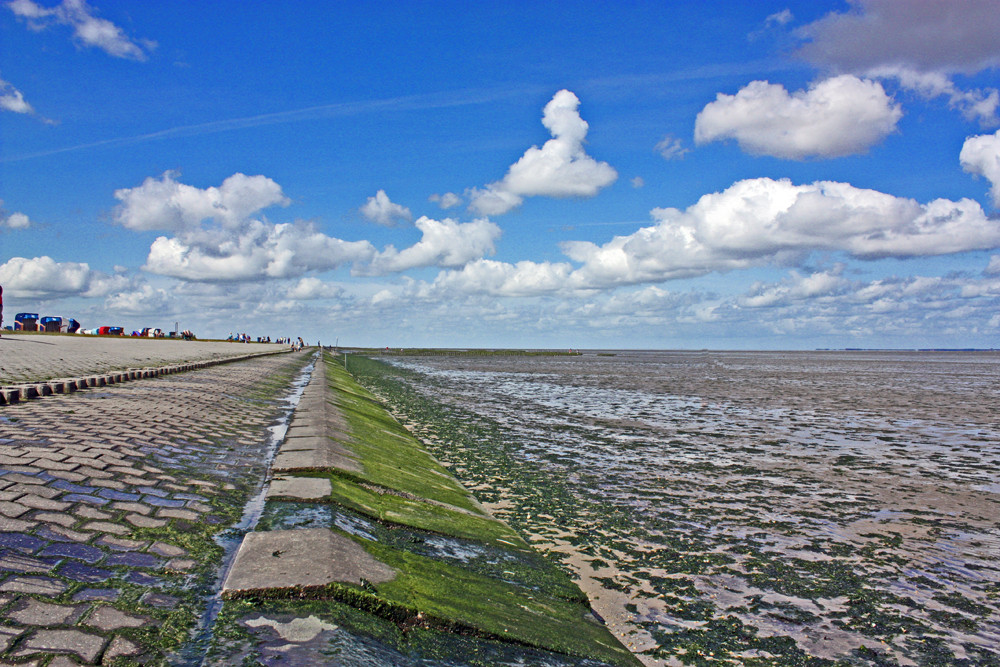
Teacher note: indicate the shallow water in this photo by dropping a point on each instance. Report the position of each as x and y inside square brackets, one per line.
[814, 506]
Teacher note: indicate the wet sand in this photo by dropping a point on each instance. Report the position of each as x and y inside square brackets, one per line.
[741, 507]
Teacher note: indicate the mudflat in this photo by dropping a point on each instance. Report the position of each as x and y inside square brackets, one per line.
[742, 507]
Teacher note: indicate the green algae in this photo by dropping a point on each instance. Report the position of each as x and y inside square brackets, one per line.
[390, 455]
[237, 643]
[522, 567]
[391, 508]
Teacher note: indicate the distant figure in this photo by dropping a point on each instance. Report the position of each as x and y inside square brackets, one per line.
[1, 306]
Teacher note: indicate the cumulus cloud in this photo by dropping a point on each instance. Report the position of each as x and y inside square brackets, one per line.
[446, 201]
[16, 221]
[981, 155]
[754, 222]
[445, 243]
[44, 278]
[13, 220]
[256, 251]
[382, 211]
[761, 221]
[234, 244]
[144, 300]
[796, 288]
[488, 276]
[843, 115]
[560, 168]
[219, 236]
[310, 288]
[88, 29]
[165, 204]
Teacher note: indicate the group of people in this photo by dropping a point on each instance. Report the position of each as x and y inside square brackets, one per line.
[246, 338]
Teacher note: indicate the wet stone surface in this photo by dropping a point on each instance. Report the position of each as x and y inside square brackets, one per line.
[109, 503]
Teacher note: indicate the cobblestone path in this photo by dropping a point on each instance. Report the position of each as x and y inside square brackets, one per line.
[109, 503]
[35, 357]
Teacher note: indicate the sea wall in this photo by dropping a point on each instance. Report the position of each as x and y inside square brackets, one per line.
[371, 547]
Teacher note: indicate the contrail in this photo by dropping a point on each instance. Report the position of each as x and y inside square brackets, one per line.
[341, 109]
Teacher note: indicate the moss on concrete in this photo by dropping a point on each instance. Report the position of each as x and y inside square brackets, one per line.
[390, 455]
[485, 593]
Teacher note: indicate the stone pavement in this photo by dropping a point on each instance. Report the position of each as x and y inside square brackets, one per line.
[36, 357]
[111, 498]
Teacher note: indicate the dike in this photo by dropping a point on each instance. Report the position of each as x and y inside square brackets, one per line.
[369, 551]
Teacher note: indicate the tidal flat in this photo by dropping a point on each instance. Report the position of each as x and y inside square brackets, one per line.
[756, 508]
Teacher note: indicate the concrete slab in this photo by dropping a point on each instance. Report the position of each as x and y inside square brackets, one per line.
[306, 557]
[290, 460]
[301, 488]
[302, 428]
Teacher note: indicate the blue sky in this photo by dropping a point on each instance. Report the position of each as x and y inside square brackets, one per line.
[655, 175]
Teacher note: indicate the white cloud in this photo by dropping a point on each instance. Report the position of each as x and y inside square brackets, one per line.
[310, 288]
[671, 148]
[755, 222]
[44, 278]
[446, 201]
[981, 155]
[237, 246]
[11, 99]
[491, 200]
[16, 221]
[977, 104]
[638, 182]
[779, 18]
[217, 235]
[843, 115]
[993, 268]
[487, 276]
[255, 251]
[382, 211]
[764, 221]
[165, 204]
[796, 288]
[88, 29]
[144, 300]
[13, 220]
[446, 243]
[560, 168]
[805, 309]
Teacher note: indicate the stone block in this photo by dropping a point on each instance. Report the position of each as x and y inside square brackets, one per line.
[108, 618]
[306, 557]
[82, 644]
[35, 612]
[300, 488]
